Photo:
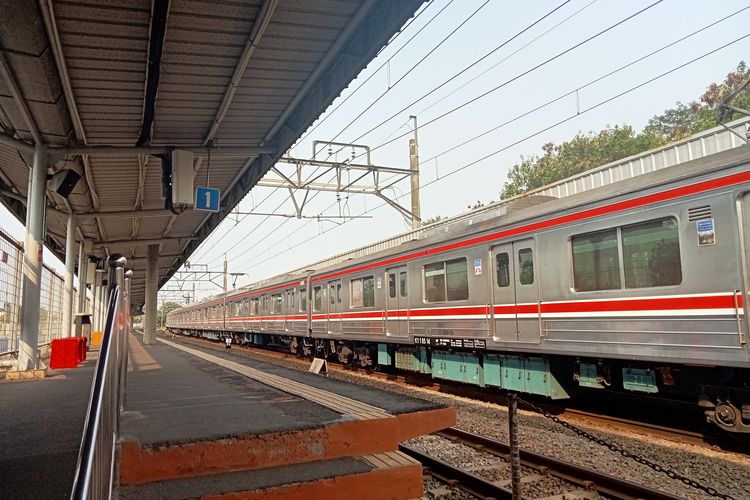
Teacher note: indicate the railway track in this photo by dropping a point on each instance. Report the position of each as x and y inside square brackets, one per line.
[540, 473]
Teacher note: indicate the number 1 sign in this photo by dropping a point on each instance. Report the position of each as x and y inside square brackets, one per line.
[207, 199]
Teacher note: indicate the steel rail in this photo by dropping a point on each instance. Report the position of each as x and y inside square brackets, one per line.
[478, 486]
[607, 485]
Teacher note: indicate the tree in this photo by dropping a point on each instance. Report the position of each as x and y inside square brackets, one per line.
[583, 152]
[586, 151]
[166, 308]
[432, 220]
[687, 119]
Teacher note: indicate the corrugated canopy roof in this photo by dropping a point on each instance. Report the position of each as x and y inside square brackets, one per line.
[244, 77]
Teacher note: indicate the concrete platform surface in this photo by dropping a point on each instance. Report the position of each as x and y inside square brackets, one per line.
[206, 423]
[41, 422]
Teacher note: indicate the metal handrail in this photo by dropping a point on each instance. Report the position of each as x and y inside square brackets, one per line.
[95, 469]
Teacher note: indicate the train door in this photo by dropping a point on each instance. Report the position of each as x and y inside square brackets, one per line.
[396, 304]
[289, 311]
[527, 291]
[743, 209]
[515, 292]
[334, 307]
[301, 324]
[504, 293]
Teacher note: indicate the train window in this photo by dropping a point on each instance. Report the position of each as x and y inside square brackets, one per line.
[525, 266]
[402, 283]
[290, 299]
[434, 282]
[392, 285]
[303, 299]
[596, 261]
[277, 302]
[318, 293]
[457, 279]
[651, 254]
[253, 307]
[502, 263]
[338, 293]
[332, 293]
[446, 281]
[363, 292]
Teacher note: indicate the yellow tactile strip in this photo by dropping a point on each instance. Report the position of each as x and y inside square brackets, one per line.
[335, 402]
[390, 459]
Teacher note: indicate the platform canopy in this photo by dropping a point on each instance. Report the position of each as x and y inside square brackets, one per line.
[106, 86]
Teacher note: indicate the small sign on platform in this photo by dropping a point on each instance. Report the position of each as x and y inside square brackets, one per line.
[318, 366]
[207, 199]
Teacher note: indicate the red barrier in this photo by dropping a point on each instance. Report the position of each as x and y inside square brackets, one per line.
[82, 348]
[65, 353]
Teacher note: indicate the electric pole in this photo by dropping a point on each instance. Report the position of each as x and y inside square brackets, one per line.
[416, 219]
[226, 275]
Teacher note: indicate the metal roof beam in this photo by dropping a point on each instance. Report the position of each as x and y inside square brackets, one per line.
[20, 146]
[256, 33]
[113, 151]
[352, 26]
[15, 92]
[142, 242]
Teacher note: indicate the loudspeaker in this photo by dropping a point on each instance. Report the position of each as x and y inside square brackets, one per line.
[63, 182]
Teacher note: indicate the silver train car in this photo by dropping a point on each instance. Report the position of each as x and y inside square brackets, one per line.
[640, 285]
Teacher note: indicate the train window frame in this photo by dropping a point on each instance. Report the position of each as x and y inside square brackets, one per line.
[676, 234]
[391, 284]
[446, 291]
[621, 255]
[507, 270]
[318, 298]
[277, 303]
[403, 284]
[364, 304]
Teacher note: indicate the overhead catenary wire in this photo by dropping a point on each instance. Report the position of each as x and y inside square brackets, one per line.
[414, 66]
[523, 139]
[500, 86]
[391, 41]
[474, 99]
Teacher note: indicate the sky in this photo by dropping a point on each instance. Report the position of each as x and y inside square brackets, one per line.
[262, 247]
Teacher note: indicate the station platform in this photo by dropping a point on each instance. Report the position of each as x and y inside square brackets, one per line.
[206, 423]
[41, 422]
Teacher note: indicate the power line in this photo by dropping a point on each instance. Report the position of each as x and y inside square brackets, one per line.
[456, 75]
[534, 134]
[560, 54]
[505, 83]
[588, 84]
[330, 113]
[204, 252]
[503, 44]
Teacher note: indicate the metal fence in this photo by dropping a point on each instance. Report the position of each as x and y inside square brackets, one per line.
[50, 304]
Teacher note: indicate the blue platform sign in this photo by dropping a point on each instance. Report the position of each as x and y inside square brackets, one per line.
[207, 199]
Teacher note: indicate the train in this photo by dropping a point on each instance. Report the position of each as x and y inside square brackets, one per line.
[639, 286]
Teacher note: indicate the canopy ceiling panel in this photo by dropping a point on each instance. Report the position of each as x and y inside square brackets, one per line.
[243, 79]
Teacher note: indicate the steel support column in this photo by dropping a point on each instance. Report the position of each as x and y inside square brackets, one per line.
[152, 288]
[32, 262]
[67, 313]
[84, 247]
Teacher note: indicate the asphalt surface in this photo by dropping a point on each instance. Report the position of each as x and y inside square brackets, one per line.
[41, 422]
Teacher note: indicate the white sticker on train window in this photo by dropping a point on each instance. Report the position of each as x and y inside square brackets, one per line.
[706, 232]
[380, 282]
[477, 267]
